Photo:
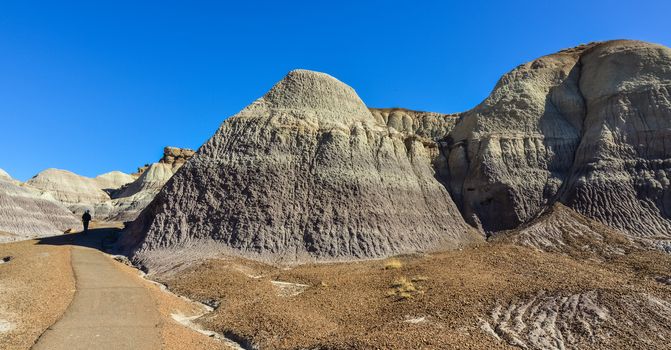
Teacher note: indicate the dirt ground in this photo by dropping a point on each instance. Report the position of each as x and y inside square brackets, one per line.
[486, 296]
[437, 301]
[176, 336]
[37, 285]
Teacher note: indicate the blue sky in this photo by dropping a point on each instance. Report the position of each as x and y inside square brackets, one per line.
[98, 86]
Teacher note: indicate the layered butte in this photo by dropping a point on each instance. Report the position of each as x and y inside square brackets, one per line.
[305, 172]
[309, 172]
[588, 127]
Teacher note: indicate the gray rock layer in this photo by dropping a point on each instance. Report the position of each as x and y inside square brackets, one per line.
[562, 230]
[305, 172]
[76, 192]
[588, 127]
[113, 196]
[308, 170]
[429, 125]
[25, 213]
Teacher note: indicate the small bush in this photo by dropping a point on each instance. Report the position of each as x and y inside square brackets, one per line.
[403, 288]
[404, 285]
[393, 264]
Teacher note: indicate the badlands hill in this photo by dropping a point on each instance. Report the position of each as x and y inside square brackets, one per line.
[587, 127]
[26, 213]
[129, 200]
[77, 192]
[305, 172]
[308, 172]
[113, 196]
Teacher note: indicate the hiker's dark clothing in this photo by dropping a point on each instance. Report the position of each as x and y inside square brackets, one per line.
[85, 220]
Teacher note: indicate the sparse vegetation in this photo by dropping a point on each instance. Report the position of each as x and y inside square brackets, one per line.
[393, 264]
[403, 288]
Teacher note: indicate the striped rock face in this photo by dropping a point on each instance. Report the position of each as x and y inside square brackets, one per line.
[306, 172]
[25, 213]
[588, 127]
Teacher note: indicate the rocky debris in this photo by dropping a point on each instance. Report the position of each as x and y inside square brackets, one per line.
[288, 289]
[586, 127]
[26, 213]
[305, 172]
[581, 320]
[5, 326]
[664, 280]
[562, 230]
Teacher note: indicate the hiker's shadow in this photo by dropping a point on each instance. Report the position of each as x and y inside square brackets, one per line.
[102, 239]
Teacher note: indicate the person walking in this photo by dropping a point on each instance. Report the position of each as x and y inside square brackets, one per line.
[86, 218]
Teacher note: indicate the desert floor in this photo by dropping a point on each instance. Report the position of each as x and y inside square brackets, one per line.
[490, 295]
[56, 292]
[482, 297]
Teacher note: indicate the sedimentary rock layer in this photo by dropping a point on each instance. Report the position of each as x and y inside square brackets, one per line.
[587, 127]
[563, 230]
[113, 196]
[305, 172]
[25, 213]
[592, 319]
[77, 192]
[309, 171]
[128, 201]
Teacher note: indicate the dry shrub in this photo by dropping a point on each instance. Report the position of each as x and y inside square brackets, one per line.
[393, 264]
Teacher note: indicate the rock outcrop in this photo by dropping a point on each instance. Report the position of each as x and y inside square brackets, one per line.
[588, 127]
[588, 320]
[25, 213]
[308, 172]
[77, 192]
[171, 155]
[113, 180]
[563, 230]
[430, 125]
[4, 175]
[621, 173]
[113, 196]
[305, 172]
[128, 201]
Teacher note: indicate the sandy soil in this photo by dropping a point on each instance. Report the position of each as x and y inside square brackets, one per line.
[36, 286]
[490, 295]
[439, 301]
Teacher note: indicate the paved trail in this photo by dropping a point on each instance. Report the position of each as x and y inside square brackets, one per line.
[110, 309]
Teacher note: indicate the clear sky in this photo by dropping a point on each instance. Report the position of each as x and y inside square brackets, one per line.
[97, 86]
